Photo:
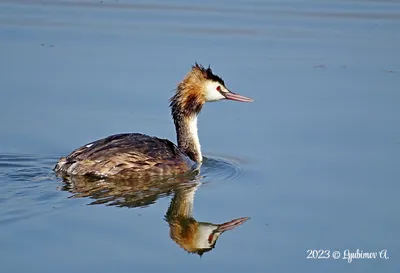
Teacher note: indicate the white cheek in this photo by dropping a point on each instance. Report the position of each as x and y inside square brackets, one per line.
[211, 92]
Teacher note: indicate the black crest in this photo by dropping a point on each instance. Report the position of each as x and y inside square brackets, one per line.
[208, 74]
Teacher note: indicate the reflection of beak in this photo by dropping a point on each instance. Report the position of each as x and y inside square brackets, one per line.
[231, 224]
[236, 97]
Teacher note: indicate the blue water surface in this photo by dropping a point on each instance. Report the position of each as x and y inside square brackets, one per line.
[314, 161]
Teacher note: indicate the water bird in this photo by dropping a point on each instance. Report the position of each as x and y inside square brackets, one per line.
[131, 154]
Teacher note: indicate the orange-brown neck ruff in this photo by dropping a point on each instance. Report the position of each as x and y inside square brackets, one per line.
[185, 105]
[189, 97]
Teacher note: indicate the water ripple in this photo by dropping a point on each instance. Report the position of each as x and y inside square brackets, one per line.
[28, 181]
[220, 168]
[28, 187]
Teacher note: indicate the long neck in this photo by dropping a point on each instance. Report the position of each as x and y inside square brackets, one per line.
[184, 110]
[187, 136]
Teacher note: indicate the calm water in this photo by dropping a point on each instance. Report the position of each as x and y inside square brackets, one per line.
[314, 161]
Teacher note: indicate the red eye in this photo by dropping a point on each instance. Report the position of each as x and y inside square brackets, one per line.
[218, 88]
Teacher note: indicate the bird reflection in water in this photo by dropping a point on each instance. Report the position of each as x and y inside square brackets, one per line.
[191, 235]
[188, 233]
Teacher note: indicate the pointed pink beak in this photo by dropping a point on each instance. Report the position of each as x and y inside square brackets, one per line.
[236, 97]
[231, 224]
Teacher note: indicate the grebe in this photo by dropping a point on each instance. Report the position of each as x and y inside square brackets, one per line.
[131, 154]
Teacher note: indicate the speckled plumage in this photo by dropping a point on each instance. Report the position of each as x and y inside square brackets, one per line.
[126, 155]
